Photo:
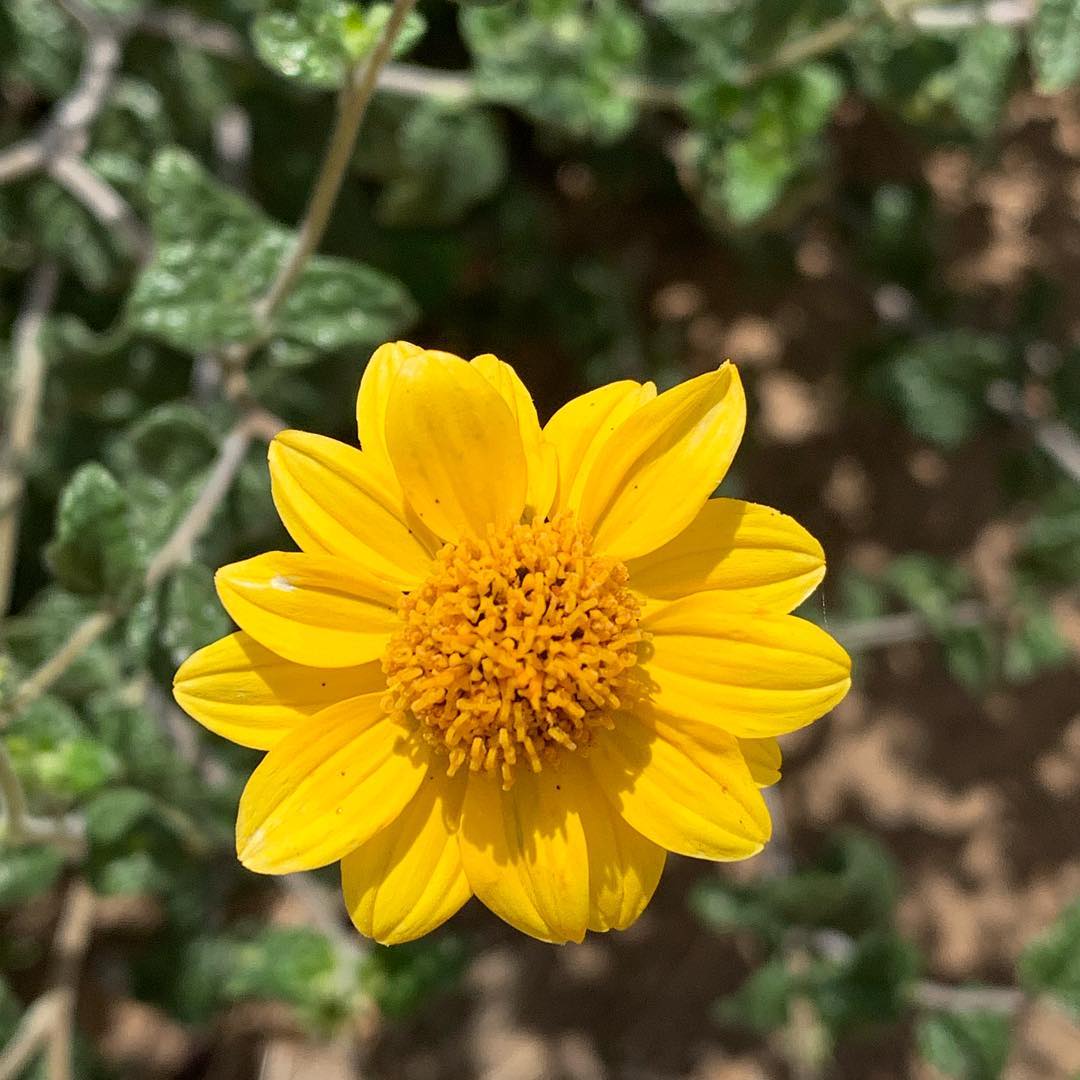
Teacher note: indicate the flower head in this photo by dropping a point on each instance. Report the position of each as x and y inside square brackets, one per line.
[512, 661]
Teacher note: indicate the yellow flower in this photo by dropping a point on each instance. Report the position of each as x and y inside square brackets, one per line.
[512, 661]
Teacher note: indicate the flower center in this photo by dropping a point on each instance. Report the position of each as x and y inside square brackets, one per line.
[516, 649]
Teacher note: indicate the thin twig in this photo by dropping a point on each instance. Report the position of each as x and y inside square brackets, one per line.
[32, 1031]
[21, 159]
[14, 800]
[24, 392]
[406, 80]
[103, 201]
[185, 28]
[959, 16]
[66, 131]
[1057, 440]
[58, 147]
[968, 999]
[874, 633]
[49, 1023]
[825, 39]
[413, 80]
[352, 105]
[353, 101]
[174, 552]
[69, 948]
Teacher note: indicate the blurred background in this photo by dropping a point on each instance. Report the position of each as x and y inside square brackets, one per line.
[873, 207]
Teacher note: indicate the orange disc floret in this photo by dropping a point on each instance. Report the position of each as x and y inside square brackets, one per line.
[516, 648]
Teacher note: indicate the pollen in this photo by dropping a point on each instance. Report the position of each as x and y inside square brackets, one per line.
[516, 649]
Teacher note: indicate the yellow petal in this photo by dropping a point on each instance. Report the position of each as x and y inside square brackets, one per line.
[580, 429]
[757, 674]
[373, 397]
[540, 457]
[314, 609]
[656, 471]
[525, 854]
[763, 759]
[331, 784]
[693, 798]
[251, 696]
[455, 447]
[624, 867]
[334, 501]
[754, 555]
[408, 879]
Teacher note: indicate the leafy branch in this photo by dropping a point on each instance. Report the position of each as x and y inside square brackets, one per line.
[57, 149]
[255, 421]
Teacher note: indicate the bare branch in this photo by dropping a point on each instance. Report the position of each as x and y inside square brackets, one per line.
[103, 201]
[406, 80]
[50, 1022]
[1057, 440]
[827, 38]
[352, 106]
[24, 393]
[177, 549]
[65, 133]
[959, 16]
[29, 1036]
[185, 28]
[69, 949]
[966, 999]
[14, 799]
[413, 80]
[862, 634]
[20, 160]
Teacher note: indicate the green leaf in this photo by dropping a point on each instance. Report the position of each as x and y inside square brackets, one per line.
[291, 964]
[861, 597]
[401, 977]
[864, 986]
[216, 254]
[1051, 963]
[45, 48]
[319, 42]
[562, 62]
[27, 872]
[134, 873]
[451, 158]
[1054, 43]
[869, 986]
[65, 229]
[1050, 554]
[967, 1046]
[754, 144]
[110, 814]
[853, 888]
[93, 550]
[984, 67]
[971, 655]
[939, 383]
[171, 443]
[1035, 644]
[74, 768]
[761, 1003]
[192, 615]
[933, 587]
